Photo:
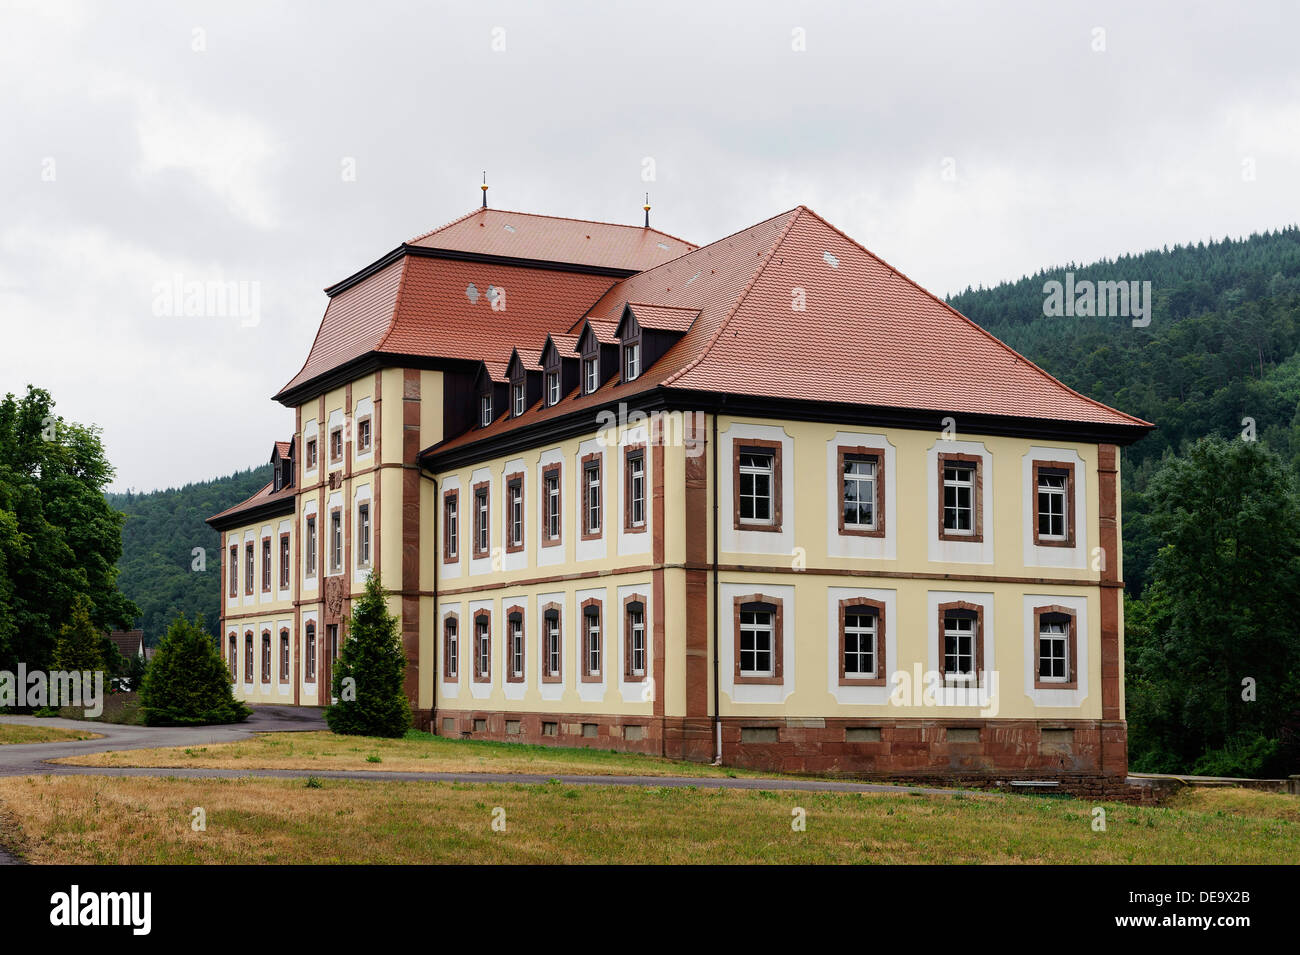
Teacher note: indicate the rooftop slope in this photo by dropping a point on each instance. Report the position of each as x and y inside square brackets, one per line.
[425, 306]
[524, 235]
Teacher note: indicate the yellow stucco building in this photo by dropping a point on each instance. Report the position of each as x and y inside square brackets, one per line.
[765, 501]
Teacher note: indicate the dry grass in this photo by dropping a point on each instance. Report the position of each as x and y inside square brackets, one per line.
[82, 819]
[1227, 801]
[25, 733]
[417, 752]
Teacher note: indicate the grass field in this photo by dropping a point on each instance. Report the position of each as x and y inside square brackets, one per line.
[22, 733]
[417, 752]
[75, 819]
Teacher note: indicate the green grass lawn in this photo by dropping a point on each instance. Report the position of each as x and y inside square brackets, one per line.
[79, 819]
[416, 752]
[23, 733]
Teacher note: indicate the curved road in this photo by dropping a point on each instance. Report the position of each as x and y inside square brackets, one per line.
[27, 759]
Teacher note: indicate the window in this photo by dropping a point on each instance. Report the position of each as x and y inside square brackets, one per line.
[363, 435]
[634, 649]
[518, 398]
[332, 634]
[284, 561]
[961, 643]
[309, 655]
[484, 410]
[482, 539]
[551, 643]
[248, 567]
[756, 477]
[234, 569]
[284, 656]
[960, 509]
[514, 512]
[1054, 652]
[757, 649]
[1053, 517]
[515, 644]
[311, 454]
[451, 646]
[336, 541]
[363, 535]
[248, 656]
[482, 648]
[862, 492]
[336, 445]
[631, 361]
[634, 505]
[591, 496]
[590, 375]
[233, 653]
[757, 641]
[552, 388]
[591, 641]
[862, 642]
[266, 565]
[450, 526]
[266, 656]
[311, 545]
[551, 505]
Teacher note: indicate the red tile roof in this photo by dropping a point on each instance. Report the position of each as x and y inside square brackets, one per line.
[663, 317]
[282, 449]
[867, 335]
[128, 642]
[524, 235]
[265, 496]
[422, 306]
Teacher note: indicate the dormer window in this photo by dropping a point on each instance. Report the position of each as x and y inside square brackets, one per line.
[484, 410]
[518, 399]
[631, 361]
[590, 374]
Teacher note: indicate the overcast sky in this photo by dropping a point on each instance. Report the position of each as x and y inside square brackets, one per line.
[140, 142]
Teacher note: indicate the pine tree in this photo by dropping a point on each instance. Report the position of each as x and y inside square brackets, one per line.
[370, 674]
[187, 683]
[80, 644]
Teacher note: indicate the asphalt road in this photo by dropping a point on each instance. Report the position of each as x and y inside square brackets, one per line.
[26, 759]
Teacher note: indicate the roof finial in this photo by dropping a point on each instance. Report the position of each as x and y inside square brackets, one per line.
[646, 207]
[484, 188]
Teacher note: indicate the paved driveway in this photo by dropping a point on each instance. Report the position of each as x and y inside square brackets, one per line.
[22, 759]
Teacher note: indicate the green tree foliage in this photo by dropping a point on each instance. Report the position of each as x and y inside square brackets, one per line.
[60, 540]
[162, 529]
[80, 645]
[370, 674]
[187, 683]
[1215, 622]
[1222, 346]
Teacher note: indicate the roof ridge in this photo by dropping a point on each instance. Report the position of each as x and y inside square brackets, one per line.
[448, 225]
[735, 307]
[543, 215]
[983, 331]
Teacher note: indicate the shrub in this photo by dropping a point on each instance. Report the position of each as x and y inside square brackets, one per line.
[370, 674]
[187, 683]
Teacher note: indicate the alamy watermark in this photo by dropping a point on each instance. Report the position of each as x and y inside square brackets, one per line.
[1089, 299]
[40, 689]
[179, 298]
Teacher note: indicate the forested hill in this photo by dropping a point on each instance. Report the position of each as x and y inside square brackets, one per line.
[162, 529]
[1223, 344]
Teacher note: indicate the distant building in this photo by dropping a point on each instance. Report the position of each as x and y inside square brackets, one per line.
[130, 643]
[765, 500]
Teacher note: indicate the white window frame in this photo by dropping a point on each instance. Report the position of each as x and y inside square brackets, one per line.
[952, 479]
[484, 410]
[636, 628]
[1057, 492]
[866, 638]
[552, 645]
[868, 481]
[758, 628]
[552, 388]
[590, 374]
[1061, 636]
[518, 395]
[632, 361]
[953, 629]
[754, 472]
